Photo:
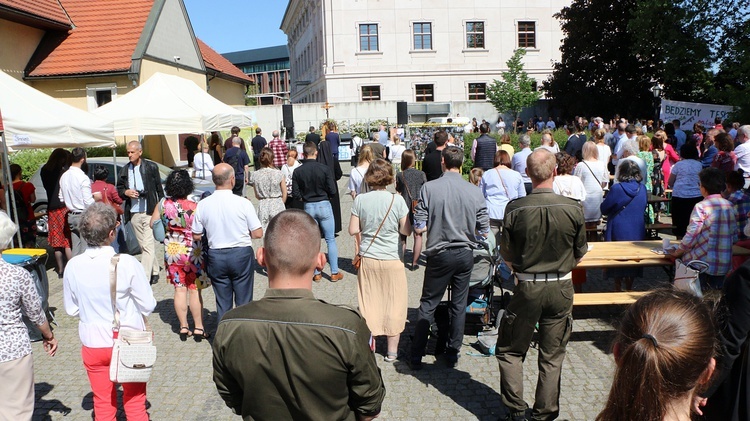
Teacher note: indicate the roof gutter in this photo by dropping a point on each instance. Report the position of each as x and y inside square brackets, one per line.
[78, 75]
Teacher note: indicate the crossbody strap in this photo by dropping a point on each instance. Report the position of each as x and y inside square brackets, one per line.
[592, 173]
[113, 295]
[393, 197]
[403, 177]
[503, 183]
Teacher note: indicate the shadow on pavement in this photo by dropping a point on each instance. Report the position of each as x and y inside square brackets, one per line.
[42, 407]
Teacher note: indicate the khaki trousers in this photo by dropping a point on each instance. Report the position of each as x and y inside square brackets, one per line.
[549, 303]
[17, 389]
[145, 236]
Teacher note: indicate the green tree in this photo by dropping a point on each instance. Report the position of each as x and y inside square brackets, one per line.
[516, 91]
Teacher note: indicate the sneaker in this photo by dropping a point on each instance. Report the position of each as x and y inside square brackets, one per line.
[389, 358]
[154, 279]
[317, 277]
[335, 277]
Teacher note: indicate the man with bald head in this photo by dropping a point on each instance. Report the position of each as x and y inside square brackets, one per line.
[544, 237]
[279, 150]
[230, 223]
[288, 355]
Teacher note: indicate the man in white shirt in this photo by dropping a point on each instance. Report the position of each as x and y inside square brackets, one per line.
[518, 162]
[742, 151]
[230, 224]
[547, 143]
[75, 192]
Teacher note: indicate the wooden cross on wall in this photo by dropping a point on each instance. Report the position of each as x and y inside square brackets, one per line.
[326, 107]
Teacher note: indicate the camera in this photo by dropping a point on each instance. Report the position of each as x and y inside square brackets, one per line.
[141, 193]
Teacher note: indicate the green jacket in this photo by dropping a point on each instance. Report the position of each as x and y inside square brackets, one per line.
[289, 356]
[543, 233]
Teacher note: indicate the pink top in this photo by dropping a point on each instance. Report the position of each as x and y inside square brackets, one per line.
[671, 158]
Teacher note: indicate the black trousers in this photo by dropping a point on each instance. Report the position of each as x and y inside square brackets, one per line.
[449, 267]
[681, 210]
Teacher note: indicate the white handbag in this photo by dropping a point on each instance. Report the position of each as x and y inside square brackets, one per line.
[134, 353]
[686, 276]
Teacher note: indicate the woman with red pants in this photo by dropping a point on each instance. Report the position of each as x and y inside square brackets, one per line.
[86, 294]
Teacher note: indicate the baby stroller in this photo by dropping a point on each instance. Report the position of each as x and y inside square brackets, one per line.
[489, 272]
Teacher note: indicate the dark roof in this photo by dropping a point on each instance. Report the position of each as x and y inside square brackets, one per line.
[279, 52]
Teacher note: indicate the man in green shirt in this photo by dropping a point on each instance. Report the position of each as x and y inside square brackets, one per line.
[544, 237]
[289, 356]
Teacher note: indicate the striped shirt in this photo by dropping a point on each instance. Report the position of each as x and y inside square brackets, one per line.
[741, 202]
[711, 233]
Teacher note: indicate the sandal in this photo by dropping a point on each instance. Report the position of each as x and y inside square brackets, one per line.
[184, 333]
[390, 357]
[199, 337]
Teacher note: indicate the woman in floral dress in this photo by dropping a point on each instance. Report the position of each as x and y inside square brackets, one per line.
[270, 188]
[183, 258]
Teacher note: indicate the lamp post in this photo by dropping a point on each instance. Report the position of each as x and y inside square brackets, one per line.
[656, 90]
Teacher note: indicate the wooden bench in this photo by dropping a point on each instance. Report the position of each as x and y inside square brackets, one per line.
[606, 298]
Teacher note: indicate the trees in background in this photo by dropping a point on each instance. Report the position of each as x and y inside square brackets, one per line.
[615, 51]
[516, 90]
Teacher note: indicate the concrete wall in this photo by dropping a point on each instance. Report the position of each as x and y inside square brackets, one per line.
[269, 117]
[19, 43]
[230, 93]
[73, 91]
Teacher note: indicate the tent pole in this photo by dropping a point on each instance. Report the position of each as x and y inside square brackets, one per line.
[10, 198]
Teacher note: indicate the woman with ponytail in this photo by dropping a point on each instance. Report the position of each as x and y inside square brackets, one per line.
[664, 353]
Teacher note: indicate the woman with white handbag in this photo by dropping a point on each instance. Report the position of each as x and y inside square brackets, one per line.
[87, 294]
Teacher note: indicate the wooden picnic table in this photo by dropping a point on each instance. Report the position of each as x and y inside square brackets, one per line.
[632, 253]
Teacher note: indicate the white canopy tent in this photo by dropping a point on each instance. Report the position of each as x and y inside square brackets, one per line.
[167, 104]
[32, 119]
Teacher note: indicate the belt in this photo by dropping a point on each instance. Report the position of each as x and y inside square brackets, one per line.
[75, 212]
[552, 276]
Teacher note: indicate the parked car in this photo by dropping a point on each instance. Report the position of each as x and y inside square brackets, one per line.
[201, 186]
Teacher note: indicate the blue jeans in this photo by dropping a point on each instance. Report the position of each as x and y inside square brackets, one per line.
[232, 276]
[322, 213]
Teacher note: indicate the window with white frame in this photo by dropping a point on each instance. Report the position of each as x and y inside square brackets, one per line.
[368, 37]
[424, 93]
[371, 93]
[100, 94]
[526, 34]
[423, 36]
[477, 91]
[475, 35]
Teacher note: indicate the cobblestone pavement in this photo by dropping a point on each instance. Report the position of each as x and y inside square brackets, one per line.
[182, 386]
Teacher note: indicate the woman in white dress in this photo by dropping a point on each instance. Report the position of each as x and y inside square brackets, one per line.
[605, 152]
[395, 152]
[202, 163]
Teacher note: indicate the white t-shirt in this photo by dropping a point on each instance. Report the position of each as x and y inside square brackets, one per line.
[605, 153]
[357, 176]
[75, 190]
[227, 218]
[288, 172]
[203, 165]
[395, 152]
[569, 186]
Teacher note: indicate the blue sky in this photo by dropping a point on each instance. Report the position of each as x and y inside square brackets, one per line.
[235, 25]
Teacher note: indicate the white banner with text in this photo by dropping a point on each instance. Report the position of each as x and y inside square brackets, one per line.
[690, 113]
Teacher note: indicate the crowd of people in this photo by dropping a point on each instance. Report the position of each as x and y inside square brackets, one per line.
[539, 205]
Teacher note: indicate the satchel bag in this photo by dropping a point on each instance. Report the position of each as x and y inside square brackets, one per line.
[159, 227]
[414, 202]
[105, 200]
[686, 276]
[134, 353]
[357, 260]
[128, 241]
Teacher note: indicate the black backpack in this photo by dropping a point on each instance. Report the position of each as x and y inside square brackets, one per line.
[234, 161]
[20, 208]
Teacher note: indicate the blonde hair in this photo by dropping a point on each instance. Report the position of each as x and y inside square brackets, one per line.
[475, 176]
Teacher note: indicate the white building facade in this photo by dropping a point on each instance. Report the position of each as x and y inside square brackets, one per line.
[431, 51]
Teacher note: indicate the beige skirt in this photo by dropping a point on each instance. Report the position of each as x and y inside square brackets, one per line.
[383, 295]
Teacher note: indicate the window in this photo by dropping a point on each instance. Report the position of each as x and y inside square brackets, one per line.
[100, 94]
[425, 93]
[371, 93]
[423, 36]
[477, 91]
[474, 34]
[368, 37]
[527, 34]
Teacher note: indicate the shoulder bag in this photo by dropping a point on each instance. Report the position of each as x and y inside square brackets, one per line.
[134, 353]
[159, 228]
[106, 201]
[592, 173]
[686, 276]
[503, 183]
[413, 201]
[357, 260]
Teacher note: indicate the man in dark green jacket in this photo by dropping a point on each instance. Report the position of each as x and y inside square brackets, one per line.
[289, 356]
